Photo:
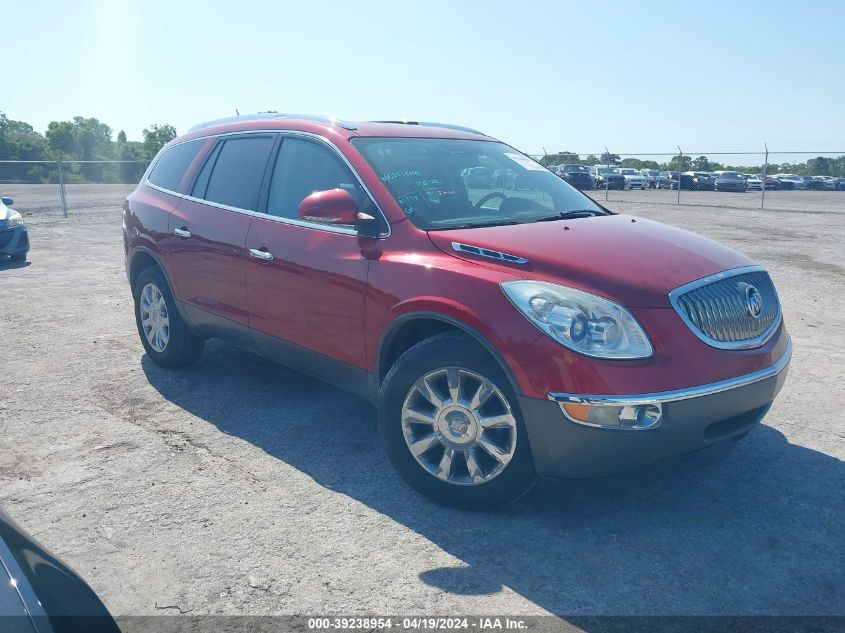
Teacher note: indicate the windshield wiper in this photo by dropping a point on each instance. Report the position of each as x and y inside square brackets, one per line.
[570, 215]
[474, 225]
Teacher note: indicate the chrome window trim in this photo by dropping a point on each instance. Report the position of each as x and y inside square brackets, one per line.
[725, 274]
[311, 225]
[682, 394]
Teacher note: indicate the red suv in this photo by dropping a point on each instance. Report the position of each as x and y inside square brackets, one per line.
[506, 325]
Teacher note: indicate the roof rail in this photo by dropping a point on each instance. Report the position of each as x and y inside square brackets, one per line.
[274, 115]
[448, 126]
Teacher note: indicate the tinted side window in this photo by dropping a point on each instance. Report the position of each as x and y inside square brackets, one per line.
[301, 169]
[201, 183]
[168, 171]
[238, 171]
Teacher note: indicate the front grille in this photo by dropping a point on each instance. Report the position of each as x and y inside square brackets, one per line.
[720, 310]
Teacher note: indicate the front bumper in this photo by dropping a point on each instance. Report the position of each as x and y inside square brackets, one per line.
[14, 241]
[703, 421]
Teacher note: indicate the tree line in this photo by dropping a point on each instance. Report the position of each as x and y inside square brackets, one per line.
[80, 139]
[86, 139]
[819, 166]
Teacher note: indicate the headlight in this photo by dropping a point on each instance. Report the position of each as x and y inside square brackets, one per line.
[14, 219]
[581, 321]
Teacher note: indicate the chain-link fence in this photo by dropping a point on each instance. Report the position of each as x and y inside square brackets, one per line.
[769, 179]
[62, 187]
[775, 179]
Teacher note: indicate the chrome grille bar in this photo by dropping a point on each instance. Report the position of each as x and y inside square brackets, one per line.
[719, 310]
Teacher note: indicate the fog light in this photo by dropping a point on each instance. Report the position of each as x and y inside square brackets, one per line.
[646, 415]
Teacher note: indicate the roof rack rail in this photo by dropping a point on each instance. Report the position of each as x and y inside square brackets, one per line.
[274, 115]
[448, 126]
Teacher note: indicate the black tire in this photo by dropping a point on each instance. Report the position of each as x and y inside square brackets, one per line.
[183, 347]
[451, 349]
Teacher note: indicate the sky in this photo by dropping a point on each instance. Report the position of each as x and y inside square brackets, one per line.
[635, 77]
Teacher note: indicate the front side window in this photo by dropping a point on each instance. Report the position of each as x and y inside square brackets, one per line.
[438, 183]
[238, 169]
[170, 168]
[304, 167]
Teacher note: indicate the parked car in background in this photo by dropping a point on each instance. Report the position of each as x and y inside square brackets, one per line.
[663, 181]
[753, 182]
[651, 177]
[502, 335]
[633, 178]
[810, 183]
[790, 181]
[479, 177]
[840, 184]
[701, 180]
[576, 175]
[605, 176]
[820, 183]
[40, 594]
[14, 239]
[730, 181]
[769, 182]
[682, 180]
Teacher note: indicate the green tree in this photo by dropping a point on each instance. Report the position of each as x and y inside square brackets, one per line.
[121, 137]
[19, 141]
[609, 159]
[156, 137]
[679, 162]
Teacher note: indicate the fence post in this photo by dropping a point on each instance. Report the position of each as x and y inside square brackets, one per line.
[765, 171]
[680, 165]
[606, 180]
[62, 188]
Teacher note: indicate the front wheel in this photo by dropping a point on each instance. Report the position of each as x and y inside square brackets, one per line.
[451, 426]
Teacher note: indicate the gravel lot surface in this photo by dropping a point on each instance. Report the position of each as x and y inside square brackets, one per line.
[237, 486]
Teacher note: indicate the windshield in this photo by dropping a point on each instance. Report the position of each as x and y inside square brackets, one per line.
[440, 183]
[574, 168]
[629, 172]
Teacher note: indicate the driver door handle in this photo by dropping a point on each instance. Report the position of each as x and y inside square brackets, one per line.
[183, 233]
[262, 255]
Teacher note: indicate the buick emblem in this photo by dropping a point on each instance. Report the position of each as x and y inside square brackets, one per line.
[753, 301]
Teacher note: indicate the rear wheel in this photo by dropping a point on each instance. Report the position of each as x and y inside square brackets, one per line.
[451, 426]
[167, 339]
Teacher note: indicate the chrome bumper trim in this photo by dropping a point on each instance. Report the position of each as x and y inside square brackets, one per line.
[682, 394]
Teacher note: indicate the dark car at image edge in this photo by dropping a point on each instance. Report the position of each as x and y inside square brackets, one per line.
[40, 594]
[499, 328]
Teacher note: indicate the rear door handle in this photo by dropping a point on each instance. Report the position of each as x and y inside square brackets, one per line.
[262, 255]
[183, 233]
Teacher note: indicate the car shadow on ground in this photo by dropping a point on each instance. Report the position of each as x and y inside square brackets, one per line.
[759, 533]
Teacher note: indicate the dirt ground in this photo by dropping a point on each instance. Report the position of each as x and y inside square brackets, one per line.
[240, 487]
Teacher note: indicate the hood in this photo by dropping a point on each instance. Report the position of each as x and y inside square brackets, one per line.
[633, 261]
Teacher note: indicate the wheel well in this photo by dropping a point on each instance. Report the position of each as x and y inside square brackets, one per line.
[406, 336]
[411, 332]
[140, 261]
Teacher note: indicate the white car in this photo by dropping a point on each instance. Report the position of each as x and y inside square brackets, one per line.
[796, 181]
[633, 178]
[754, 183]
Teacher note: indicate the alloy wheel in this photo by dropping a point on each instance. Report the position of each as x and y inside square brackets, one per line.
[155, 320]
[459, 426]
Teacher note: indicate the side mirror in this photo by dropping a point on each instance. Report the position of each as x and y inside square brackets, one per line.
[8, 201]
[334, 206]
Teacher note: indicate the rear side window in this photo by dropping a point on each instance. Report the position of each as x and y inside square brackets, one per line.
[238, 171]
[301, 169]
[169, 170]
